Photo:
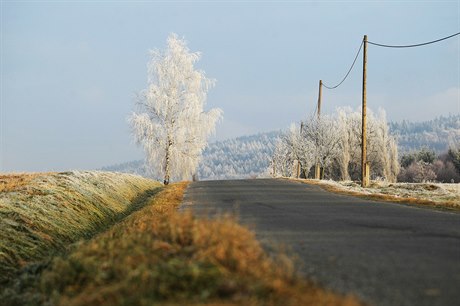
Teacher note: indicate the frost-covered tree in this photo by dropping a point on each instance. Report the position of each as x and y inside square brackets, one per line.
[382, 150]
[300, 147]
[289, 151]
[170, 122]
[385, 153]
[323, 138]
[334, 142]
[344, 156]
[282, 160]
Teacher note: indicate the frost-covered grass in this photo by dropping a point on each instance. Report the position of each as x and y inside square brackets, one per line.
[41, 214]
[439, 195]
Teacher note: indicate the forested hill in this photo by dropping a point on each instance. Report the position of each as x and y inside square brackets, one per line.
[435, 134]
[242, 157]
[249, 156]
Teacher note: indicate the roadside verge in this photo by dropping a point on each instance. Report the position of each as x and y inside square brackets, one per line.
[433, 195]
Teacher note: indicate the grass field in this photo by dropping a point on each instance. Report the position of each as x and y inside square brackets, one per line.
[159, 256]
[41, 214]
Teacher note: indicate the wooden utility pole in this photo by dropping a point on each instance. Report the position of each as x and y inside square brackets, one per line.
[364, 174]
[319, 97]
[317, 166]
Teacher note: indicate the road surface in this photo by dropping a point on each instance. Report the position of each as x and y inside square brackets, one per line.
[387, 254]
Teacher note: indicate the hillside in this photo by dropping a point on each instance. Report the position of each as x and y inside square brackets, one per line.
[249, 156]
[242, 157]
[436, 134]
[43, 213]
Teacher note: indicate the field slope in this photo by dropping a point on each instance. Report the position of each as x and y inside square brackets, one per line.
[41, 214]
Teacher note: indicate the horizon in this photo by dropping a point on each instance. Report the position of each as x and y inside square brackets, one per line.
[70, 69]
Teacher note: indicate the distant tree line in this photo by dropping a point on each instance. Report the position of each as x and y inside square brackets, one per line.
[437, 134]
[334, 144]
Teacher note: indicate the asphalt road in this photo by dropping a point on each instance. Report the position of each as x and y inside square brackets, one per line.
[387, 254]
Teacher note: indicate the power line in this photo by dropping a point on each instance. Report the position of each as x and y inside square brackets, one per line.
[415, 45]
[386, 46]
[349, 70]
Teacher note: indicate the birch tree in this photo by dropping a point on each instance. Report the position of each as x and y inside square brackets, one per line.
[169, 122]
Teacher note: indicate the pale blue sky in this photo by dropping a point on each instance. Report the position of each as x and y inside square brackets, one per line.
[70, 69]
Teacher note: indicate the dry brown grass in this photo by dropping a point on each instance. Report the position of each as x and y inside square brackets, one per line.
[16, 181]
[423, 194]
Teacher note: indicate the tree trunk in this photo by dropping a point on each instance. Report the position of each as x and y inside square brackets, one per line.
[344, 162]
[167, 162]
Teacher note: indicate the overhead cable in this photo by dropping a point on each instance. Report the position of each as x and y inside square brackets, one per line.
[349, 70]
[415, 45]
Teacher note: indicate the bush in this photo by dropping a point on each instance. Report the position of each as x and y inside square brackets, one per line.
[422, 165]
[417, 172]
[446, 172]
